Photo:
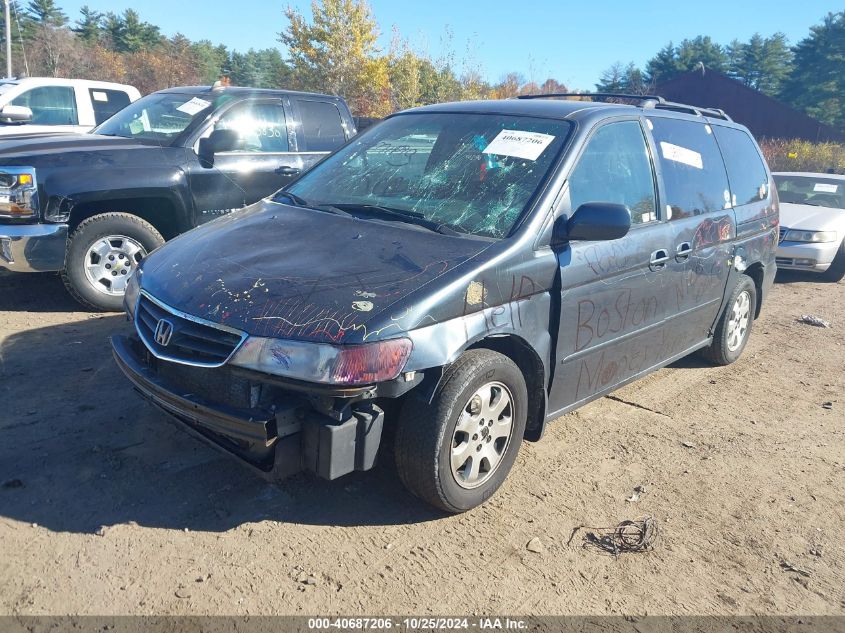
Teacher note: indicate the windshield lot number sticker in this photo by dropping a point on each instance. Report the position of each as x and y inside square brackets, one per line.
[193, 106]
[681, 155]
[527, 145]
[823, 187]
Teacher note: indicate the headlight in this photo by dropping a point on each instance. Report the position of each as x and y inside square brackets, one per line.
[133, 289]
[810, 236]
[324, 363]
[18, 192]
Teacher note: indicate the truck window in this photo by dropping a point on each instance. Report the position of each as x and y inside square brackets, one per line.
[262, 126]
[322, 126]
[615, 167]
[107, 102]
[746, 171]
[693, 171]
[50, 105]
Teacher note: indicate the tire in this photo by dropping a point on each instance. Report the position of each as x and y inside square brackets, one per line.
[123, 237]
[836, 271]
[725, 348]
[426, 432]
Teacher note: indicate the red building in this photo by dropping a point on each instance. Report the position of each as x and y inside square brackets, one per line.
[764, 116]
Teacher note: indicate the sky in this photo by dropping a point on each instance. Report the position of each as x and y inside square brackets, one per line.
[572, 42]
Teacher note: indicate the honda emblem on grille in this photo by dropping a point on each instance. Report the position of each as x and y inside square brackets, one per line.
[164, 332]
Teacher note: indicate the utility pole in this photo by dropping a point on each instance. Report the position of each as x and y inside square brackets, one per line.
[8, 40]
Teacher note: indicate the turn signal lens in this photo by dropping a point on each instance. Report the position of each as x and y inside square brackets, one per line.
[375, 362]
[25, 179]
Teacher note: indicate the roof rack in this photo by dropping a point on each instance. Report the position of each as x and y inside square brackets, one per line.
[648, 101]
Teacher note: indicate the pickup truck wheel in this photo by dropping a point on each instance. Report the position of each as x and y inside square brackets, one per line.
[836, 270]
[102, 252]
[456, 451]
[734, 326]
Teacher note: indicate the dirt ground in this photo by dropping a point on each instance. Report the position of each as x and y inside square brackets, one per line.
[107, 509]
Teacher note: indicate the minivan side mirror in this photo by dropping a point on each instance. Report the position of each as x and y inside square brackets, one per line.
[593, 221]
[15, 114]
[216, 142]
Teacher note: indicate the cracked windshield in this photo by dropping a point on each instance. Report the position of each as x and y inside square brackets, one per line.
[465, 172]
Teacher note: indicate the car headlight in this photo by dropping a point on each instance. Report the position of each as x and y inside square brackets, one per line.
[133, 290]
[324, 363]
[18, 192]
[809, 236]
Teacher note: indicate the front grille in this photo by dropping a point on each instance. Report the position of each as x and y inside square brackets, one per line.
[783, 232]
[191, 341]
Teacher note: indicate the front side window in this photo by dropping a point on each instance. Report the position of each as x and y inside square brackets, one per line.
[159, 117]
[107, 103]
[50, 105]
[812, 190]
[322, 127]
[616, 167]
[475, 173]
[692, 167]
[261, 126]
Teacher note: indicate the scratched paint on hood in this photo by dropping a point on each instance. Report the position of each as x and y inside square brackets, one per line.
[288, 272]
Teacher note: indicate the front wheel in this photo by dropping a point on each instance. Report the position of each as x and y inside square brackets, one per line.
[456, 451]
[102, 252]
[734, 326]
[836, 270]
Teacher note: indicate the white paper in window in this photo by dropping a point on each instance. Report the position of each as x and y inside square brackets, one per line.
[193, 106]
[824, 187]
[98, 95]
[527, 145]
[681, 155]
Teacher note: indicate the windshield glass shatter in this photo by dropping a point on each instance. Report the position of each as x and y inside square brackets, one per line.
[475, 173]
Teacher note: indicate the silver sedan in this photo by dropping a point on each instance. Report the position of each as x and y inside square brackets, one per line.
[812, 223]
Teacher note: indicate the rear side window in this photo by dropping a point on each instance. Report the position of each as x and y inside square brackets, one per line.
[50, 105]
[693, 171]
[107, 102]
[322, 127]
[615, 167]
[746, 171]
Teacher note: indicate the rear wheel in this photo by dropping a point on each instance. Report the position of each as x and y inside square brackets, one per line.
[836, 271]
[102, 253]
[734, 326]
[456, 451]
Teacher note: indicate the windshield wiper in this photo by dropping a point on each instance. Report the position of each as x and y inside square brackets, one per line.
[302, 202]
[407, 216]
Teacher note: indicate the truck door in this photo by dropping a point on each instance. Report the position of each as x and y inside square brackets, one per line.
[264, 163]
[321, 130]
[613, 295]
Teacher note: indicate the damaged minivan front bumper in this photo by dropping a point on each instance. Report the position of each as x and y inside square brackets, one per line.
[278, 427]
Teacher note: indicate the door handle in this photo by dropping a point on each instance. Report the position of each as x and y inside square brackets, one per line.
[658, 259]
[287, 170]
[683, 251]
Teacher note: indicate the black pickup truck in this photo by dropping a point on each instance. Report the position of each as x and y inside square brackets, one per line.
[93, 205]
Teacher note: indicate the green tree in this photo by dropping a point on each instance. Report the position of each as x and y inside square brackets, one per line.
[263, 68]
[691, 54]
[129, 34]
[212, 61]
[624, 78]
[89, 26]
[761, 63]
[46, 13]
[336, 52]
[817, 82]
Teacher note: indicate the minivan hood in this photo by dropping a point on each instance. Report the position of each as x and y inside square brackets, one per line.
[808, 217]
[289, 272]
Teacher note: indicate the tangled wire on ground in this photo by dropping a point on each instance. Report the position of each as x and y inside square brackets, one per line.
[638, 535]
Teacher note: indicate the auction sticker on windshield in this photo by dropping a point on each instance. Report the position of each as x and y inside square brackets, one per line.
[193, 106]
[528, 145]
[823, 187]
